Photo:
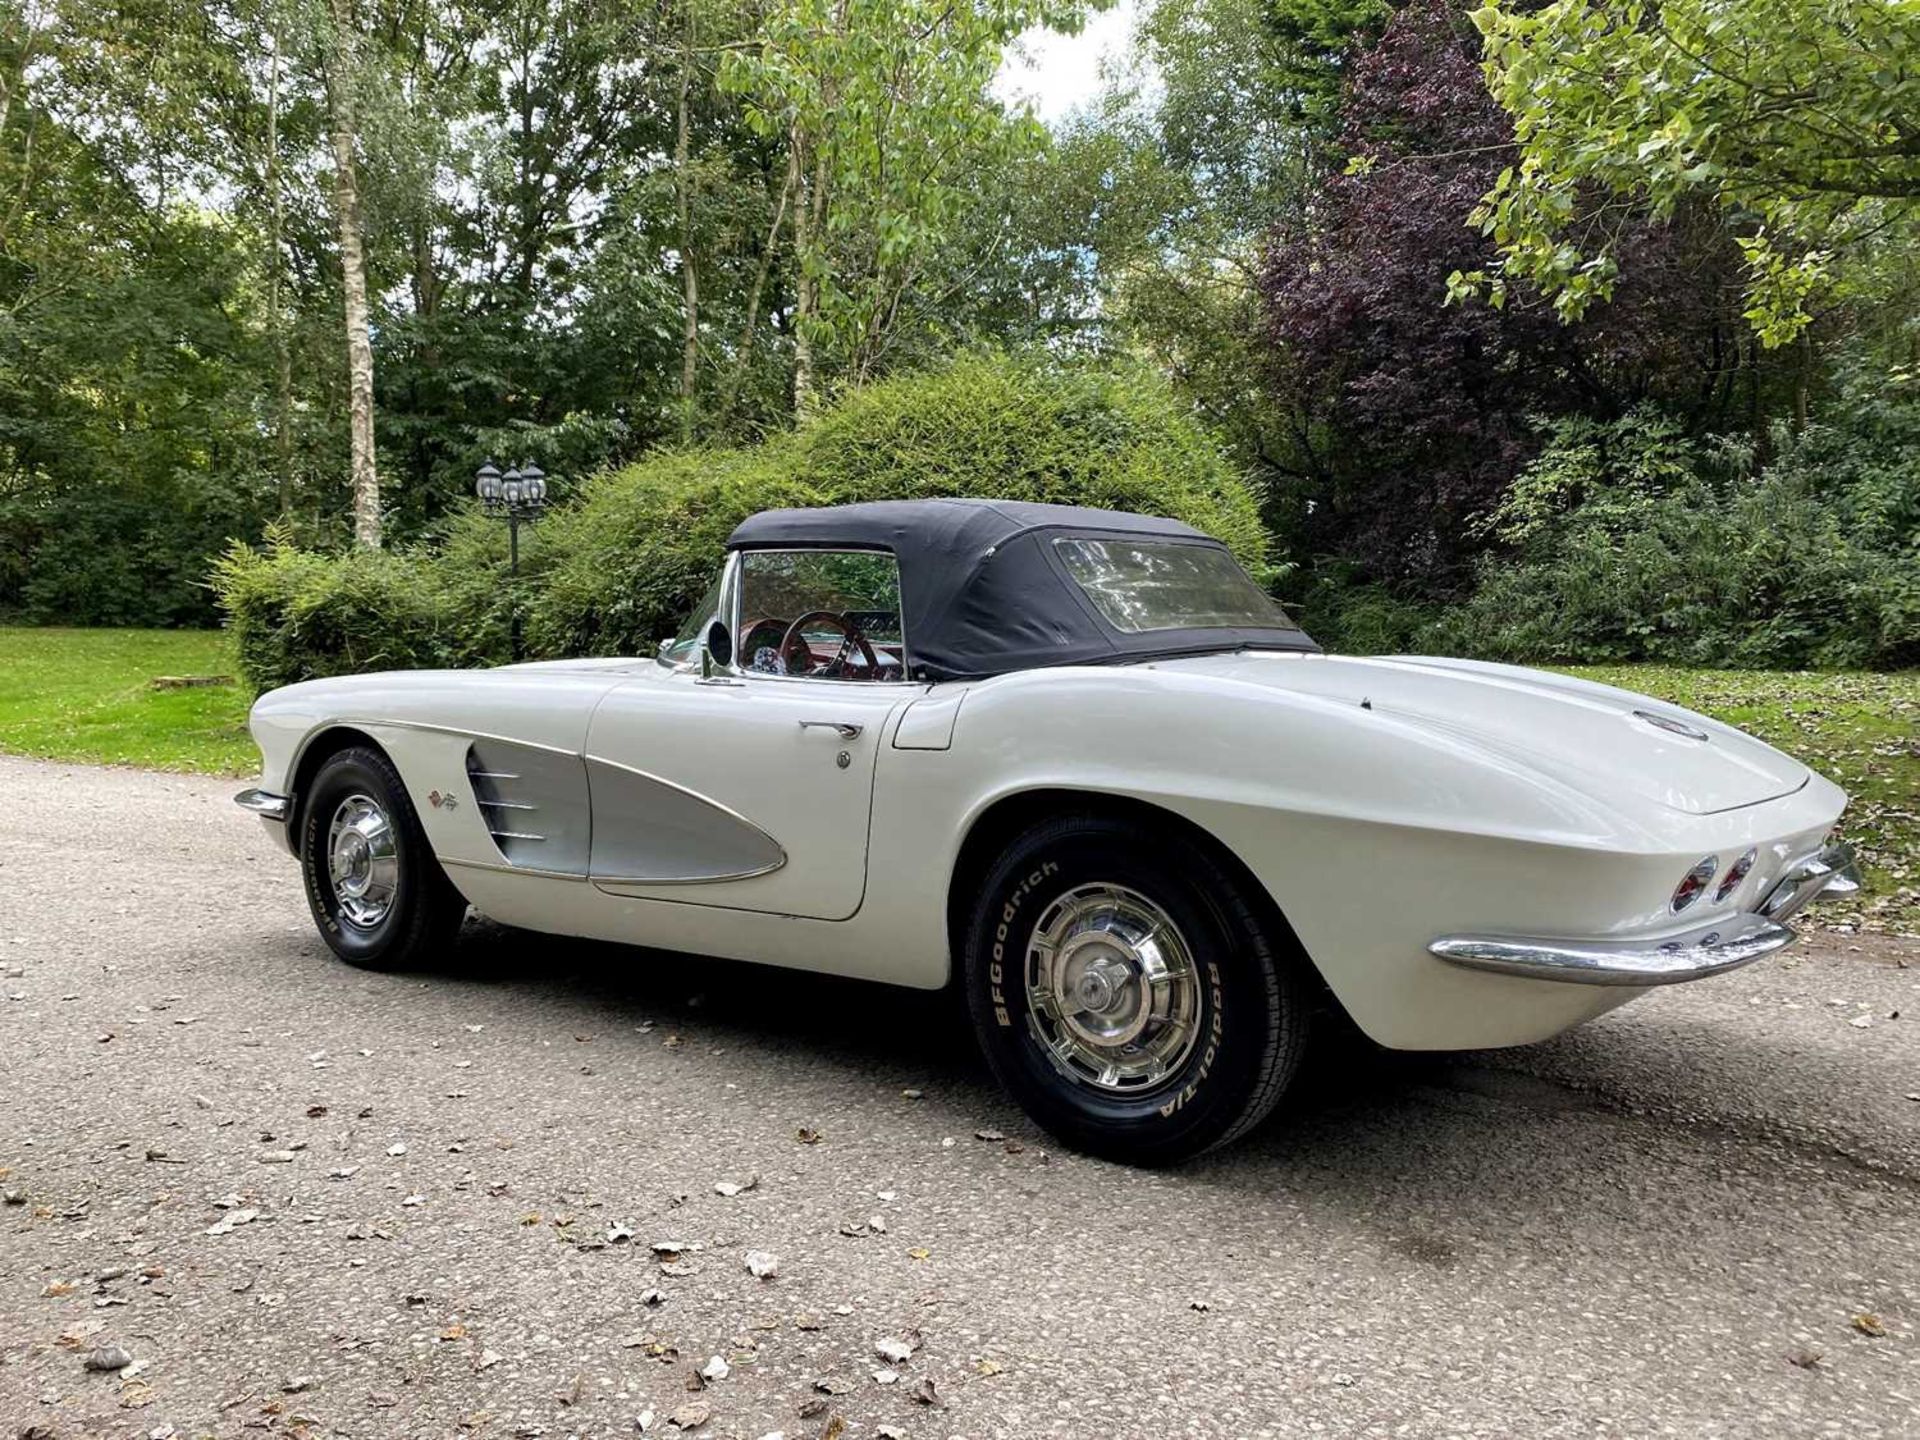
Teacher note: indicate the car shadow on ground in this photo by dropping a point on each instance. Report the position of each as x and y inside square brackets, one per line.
[862, 1025]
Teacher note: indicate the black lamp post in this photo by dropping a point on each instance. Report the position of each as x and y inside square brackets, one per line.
[520, 494]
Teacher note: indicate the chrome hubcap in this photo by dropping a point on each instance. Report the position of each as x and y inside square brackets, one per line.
[362, 861]
[1112, 993]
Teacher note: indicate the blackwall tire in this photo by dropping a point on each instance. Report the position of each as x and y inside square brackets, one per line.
[1129, 994]
[378, 895]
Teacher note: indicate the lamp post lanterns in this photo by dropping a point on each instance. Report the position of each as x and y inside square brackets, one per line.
[520, 494]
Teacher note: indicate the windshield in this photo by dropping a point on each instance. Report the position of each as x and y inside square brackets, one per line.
[1143, 585]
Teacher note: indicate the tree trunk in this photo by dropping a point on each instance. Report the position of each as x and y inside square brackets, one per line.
[743, 360]
[353, 266]
[276, 322]
[809, 213]
[689, 276]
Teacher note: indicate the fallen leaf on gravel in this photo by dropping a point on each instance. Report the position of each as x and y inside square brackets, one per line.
[893, 1350]
[774, 1435]
[988, 1367]
[473, 1029]
[643, 1422]
[314, 1112]
[815, 1405]
[919, 1252]
[1805, 1359]
[653, 1295]
[1870, 1325]
[833, 1385]
[1014, 1147]
[731, 1188]
[762, 1264]
[488, 1359]
[413, 1202]
[885, 1377]
[1861, 1022]
[926, 1394]
[343, 1172]
[671, 1247]
[993, 1135]
[76, 1335]
[455, 1331]
[890, 1432]
[853, 1228]
[295, 1384]
[716, 1368]
[397, 1148]
[691, 1416]
[948, 1142]
[108, 1358]
[877, 1224]
[231, 1220]
[836, 1427]
[619, 1234]
[912, 1094]
[278, 1157]
[672, 1042]
[11, 1196]
[807, 1322]
[54, 1288]
[807, 1135]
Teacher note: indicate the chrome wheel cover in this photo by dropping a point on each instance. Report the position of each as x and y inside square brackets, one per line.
[363, 862]
[1113, 995]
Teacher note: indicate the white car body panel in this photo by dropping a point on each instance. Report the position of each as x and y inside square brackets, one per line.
[1380, 803]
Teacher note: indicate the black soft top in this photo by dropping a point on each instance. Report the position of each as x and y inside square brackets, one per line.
[982, 591]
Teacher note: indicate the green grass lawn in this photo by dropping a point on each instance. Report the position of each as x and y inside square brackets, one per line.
[86, 695]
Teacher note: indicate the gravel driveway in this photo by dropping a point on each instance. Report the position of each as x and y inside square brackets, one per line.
[310, 1201]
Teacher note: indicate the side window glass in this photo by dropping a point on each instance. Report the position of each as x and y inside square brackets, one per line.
[824, 614]
[684, 648]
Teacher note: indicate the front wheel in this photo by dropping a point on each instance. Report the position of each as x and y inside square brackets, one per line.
[380, 898]
[1129, 993]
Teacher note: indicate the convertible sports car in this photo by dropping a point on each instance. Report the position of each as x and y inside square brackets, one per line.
[1078, 763]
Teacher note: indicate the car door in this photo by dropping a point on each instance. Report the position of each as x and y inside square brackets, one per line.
[748, 788]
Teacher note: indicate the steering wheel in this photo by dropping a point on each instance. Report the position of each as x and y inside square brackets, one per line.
[798, 655]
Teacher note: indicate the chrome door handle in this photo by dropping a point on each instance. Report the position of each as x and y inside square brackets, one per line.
[839, 727]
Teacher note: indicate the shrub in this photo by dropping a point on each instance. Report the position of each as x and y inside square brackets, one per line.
[618, 568]
[1631, 542]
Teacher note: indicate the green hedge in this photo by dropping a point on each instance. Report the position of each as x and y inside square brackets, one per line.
[616, 569]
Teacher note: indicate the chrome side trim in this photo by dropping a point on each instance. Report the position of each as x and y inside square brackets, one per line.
[264, 803]
[1831, 870]
[530, 870]
[1727, 945]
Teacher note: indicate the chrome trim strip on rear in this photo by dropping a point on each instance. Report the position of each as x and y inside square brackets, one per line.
[264, 803]
[1724, 946]
[1830, 870]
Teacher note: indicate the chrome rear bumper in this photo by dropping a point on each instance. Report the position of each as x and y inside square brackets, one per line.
[1725, 945]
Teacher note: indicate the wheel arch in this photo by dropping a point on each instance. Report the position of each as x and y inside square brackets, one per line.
[319, 747]
[1009, 815]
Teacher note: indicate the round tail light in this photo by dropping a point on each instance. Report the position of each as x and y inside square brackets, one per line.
[1730, 882]
[1696, 880]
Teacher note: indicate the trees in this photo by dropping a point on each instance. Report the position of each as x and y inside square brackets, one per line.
[1409, 417]
[1799, 118]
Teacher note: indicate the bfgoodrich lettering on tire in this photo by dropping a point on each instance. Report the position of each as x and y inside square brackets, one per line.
[1129, 993]
[378, 895]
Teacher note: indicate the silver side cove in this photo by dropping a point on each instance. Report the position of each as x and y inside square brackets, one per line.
[649, 831]
[535, 804]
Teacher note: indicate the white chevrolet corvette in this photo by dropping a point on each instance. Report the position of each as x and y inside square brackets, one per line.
[1077, 762]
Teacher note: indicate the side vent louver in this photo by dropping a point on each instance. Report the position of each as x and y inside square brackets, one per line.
[512, 818]
[535, 805]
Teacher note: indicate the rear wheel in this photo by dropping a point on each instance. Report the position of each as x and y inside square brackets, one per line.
[378, 895]
[1129, 993]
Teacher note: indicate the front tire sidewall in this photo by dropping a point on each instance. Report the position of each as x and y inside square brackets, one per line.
[396, 940]
[1243, 1033]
